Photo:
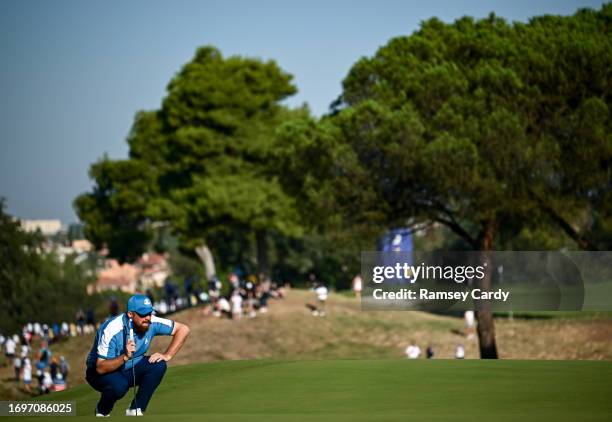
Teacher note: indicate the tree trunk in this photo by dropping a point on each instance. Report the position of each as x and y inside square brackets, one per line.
[207, 259]
[262, 251]
[486, 328]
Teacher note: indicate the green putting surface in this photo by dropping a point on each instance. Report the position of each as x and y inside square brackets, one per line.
[373, 390]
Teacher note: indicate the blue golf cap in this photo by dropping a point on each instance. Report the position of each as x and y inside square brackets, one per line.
[140, 304]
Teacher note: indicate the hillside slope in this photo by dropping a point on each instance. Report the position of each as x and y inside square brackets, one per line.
[289, 331]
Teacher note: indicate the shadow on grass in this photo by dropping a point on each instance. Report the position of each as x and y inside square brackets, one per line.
[536, 315]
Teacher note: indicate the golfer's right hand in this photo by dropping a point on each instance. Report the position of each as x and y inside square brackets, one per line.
[130, 348]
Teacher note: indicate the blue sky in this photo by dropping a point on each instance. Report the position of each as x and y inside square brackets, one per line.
[74, 73]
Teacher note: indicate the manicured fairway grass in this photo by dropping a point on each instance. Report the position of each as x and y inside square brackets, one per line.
[374, 390]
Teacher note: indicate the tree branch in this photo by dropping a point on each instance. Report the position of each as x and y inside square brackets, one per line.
[457, 229]
[451, 222]
[583, 242]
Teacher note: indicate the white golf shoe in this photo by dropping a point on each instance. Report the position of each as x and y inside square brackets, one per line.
[134, 412]
[101, 415]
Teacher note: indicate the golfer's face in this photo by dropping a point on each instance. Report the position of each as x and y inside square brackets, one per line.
[142, 322]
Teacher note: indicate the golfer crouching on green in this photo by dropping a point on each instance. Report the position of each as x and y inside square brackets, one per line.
[117, 359]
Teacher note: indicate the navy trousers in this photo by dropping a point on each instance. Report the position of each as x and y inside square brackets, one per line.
[114, 385]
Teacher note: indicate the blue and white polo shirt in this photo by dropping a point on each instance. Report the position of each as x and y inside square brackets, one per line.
[113, 335]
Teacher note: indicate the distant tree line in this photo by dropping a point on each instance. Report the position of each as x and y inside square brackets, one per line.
[34, 284]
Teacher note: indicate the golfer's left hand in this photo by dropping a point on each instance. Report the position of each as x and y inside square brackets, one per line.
[157, 357]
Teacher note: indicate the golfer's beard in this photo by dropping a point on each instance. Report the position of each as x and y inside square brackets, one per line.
[143, 328]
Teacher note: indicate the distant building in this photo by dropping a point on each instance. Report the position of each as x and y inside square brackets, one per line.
[46, 227]
[81, 246]
[151, 270]
[116, 277]
[154, 270]
[76, 231]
